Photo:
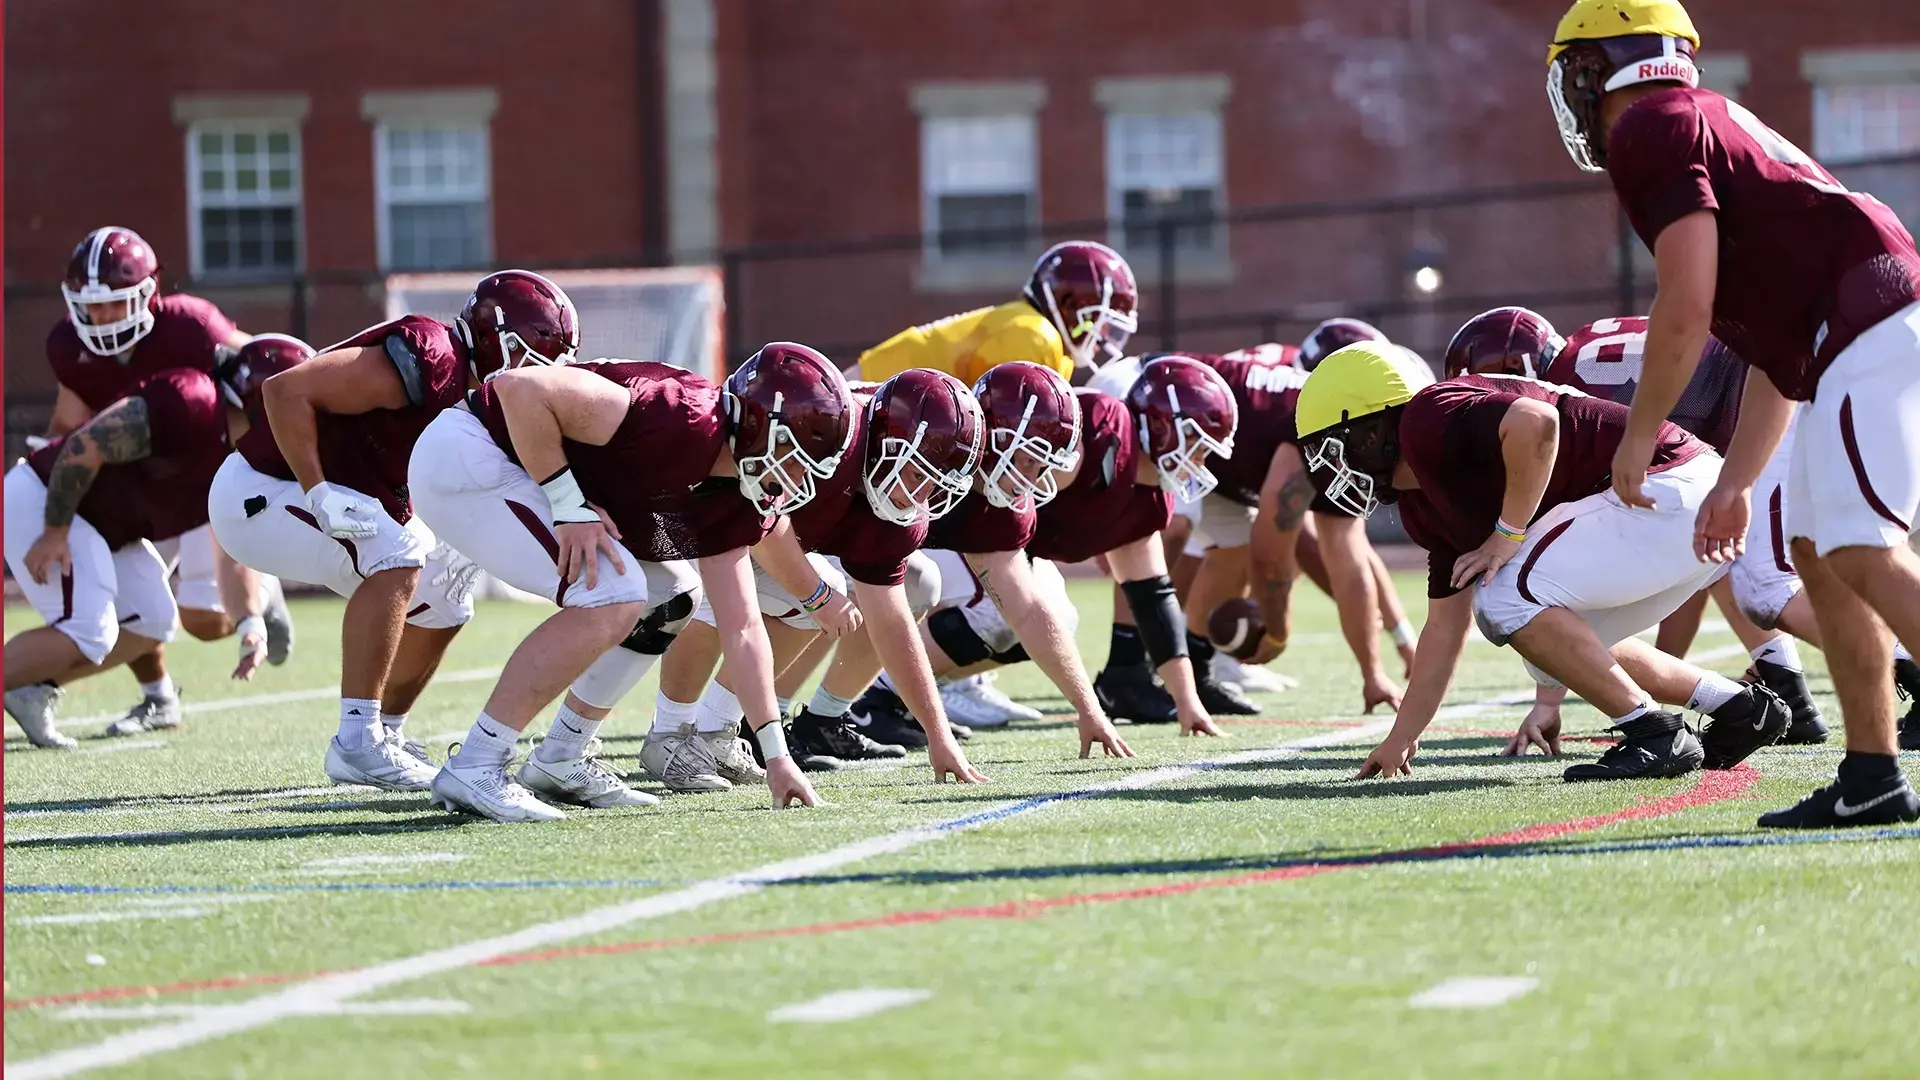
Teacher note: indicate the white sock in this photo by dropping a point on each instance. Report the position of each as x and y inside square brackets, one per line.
[669, 715]
[718, 709]
[1712, 692]
[786, 706]
[884, 681]
[490, 742]
[1900, 651]
[1639, 711]
[1781, 651]
[359, 722]
[829, 704]
[568, 737]
[162, 690]
[393, 722]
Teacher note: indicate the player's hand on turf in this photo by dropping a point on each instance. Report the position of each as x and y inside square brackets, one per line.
[949, 760]
[49, 558]
[1097, 730]
[582, 541]
[789, 785]
[1391, 758]
[1199, 722]
[1720, 529]
[1379, 689]
[1540, 729]
[252, 635]
[1630, 464]
[837, 617]
[1483, 562]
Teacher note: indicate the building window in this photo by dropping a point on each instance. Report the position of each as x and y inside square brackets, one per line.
[244, 197]
[434, 195]
[1164, 166]
[979, 178]
[1853, 123]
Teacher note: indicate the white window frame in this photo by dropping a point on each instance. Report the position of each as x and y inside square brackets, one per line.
[1175, 95]
[1833, 69]
[451, 110]
[937, 101]
[267, 114]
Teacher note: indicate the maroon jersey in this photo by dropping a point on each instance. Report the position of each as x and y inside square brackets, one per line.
[165, 493]
[1805, 264]
[1266, 394]
[654, 477]
[1450, 438]
[977, 527]
[1271, 353]
[1604, 358]
[368, 452]
[186, 329]
[1103, 508]
[840, 522]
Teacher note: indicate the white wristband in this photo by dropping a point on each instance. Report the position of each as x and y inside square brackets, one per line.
[252, 625]
[563, 495]
[772, 740]
[1402, 633]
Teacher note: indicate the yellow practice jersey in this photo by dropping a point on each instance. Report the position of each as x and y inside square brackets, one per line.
[966, 345]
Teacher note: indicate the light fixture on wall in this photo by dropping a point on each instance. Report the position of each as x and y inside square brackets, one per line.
[1426, 269]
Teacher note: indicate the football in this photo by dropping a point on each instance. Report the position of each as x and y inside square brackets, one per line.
[1236, 628]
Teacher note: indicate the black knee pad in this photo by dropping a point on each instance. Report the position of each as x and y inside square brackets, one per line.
[655, 631]
[957, 639]
[1012, 656]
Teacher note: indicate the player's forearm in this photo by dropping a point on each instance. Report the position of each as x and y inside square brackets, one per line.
[118, 435]
[1177, 673]
[296, 431]
[1548, 697]
[747, 652]
[1442, 642]
[1043, 633]
[239, 587]
[1529, 443]
[1764, 416]
[890, 626]
[532, 426]
[1356, 595]
[1273, 591]
[1392, 612]
[1686, 260]
[779, 553]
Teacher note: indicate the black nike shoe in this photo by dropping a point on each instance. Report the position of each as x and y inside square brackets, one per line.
[1834, 807]
[883, 717]
[1655, 746]
[1755, 718]
[1130, 692]
[807, 762]
[1219, 698]
[1906, 680]
[839, 737]
[1807, 726]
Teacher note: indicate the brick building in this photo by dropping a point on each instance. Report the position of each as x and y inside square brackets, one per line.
[275, 151]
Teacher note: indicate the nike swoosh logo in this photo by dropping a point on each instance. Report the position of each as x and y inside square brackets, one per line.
[1840, 804]
[490, 734]
[569, 727]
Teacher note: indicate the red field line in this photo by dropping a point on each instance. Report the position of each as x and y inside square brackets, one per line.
[1713, 787]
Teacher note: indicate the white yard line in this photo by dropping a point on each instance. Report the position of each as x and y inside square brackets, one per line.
[845, 1005]
[182, 908]
[284, 697]
[1474, 992]
[119, 747]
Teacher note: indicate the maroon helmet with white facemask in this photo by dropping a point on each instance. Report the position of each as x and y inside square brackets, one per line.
[791, 419]
[515, 318]
[1033, 434]
[112, 266]
[1504, 341]
[923, 443]
[1335, 334]
[1185, 411]
[1088, 291]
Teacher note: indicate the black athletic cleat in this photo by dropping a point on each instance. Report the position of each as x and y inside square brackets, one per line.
[1834, 807]
[1756, 718]
[1131, 692]
[1220, 699]
[1654, 747]
[883, 717]
[838, 737]
[1807, 726]
[1906, 680]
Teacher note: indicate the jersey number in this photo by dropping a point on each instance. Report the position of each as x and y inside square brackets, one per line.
[1780, 149]
[1613, 358]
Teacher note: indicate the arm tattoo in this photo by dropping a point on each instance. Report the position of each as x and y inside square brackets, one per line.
[1296, 496]
[115, 436]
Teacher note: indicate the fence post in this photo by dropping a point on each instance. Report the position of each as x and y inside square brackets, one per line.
[1169, 290]
[736, 329]
[1624, 283]
[297, 309]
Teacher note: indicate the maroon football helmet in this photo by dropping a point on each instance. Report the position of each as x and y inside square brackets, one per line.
[1088, 291]
[1335, 334]
[1504, 341]
[923, 443]
[1589, 69]
[112, 265]
[1033, 433]
[1185, 411]
[517, 317]
[791, 419]
[241, 372]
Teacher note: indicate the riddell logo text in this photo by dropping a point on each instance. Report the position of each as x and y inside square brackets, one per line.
[1665, 69]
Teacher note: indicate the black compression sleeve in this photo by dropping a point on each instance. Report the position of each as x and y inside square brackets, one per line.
[1157, 612]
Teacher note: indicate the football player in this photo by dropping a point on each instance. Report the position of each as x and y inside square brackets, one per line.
[1505, 483]
[116, 333]
[650, 472]
[83, 512]
[917, 440]
[1818, 289]
[318, 493]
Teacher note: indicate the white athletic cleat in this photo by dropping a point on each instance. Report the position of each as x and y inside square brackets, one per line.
[682, 760]
[380, 764]
[732, 757]
[976, 702]
[411, 747]
[1251, 678]
[152, 714]
[582, 781]
[33, 708]
[279, 622]
[489, 792]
